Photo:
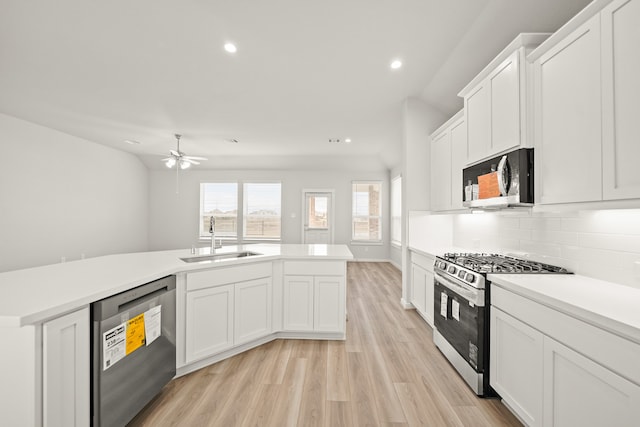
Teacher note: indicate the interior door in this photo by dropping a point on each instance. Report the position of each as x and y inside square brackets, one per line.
[318, 217]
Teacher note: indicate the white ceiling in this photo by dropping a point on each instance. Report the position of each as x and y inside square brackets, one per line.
[304, 72]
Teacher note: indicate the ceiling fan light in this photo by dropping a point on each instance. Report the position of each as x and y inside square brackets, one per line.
[170, 163]
[184, 165]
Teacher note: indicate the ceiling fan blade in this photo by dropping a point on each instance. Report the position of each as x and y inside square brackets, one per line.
[189, 160]
[175, 153]
[195, 158]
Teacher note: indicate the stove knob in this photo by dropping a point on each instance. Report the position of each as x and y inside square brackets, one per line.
[442, 265]
[470, 278]
[452, 270]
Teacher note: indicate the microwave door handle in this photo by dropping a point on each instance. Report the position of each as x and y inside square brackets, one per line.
[503, 180]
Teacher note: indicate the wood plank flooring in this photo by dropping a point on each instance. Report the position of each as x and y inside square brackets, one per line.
[387, 373]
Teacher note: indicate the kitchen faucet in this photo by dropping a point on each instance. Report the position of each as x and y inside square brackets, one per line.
[212, 230]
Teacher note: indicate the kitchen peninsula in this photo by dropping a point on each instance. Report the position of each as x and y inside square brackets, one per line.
[44, 315]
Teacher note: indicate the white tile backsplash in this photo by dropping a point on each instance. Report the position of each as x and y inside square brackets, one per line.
[601, 244]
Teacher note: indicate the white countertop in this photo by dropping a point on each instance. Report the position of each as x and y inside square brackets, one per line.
[607, 305]
[32, 295]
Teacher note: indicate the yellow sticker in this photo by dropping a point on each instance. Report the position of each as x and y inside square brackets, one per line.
[135, 333]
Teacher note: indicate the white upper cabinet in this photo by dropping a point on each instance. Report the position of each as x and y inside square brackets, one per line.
[448, 155]
[496, 102]
[504, 84]
[586, 91]
[567, 118]
[478, 117]
[620, 23]
[458, 156]
[441, 172]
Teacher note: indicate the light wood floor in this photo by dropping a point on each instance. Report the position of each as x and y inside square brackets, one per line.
[387, 373]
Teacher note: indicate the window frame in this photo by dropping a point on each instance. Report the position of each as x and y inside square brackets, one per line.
[380, 217]
[396, 196]
[240, 237]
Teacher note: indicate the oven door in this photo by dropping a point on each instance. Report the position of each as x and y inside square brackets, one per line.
[459, 317]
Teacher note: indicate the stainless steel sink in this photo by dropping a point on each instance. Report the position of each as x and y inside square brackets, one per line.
[219, 257]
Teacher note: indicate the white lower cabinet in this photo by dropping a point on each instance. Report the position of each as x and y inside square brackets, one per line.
[66, 370]
[298, 303]
[328, 306]
[252, 314]
[554, 370]
[581, 392]
[314, 296]
[226, 307]
[421, 283]
[314, 303]
[209, 321]
[516, 365]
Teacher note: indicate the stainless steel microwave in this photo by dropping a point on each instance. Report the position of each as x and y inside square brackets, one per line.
[504, 181]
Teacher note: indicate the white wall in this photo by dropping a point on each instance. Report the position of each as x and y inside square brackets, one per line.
[62, 196]
[604, 244]
[174, 217]
[418, 121]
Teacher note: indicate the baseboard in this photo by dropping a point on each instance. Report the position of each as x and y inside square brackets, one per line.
[406, 304]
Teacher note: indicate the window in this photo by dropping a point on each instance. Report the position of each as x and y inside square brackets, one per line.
[242, 211]
[396, 210]
[219, 200]
[367, 211]
[262, 211]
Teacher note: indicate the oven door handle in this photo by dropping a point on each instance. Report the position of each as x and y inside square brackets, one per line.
[475, 296]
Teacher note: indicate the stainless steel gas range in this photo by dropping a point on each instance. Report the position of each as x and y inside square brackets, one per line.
[461, 309]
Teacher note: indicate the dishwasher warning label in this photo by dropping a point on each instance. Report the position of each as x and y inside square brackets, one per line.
[114, 345]
[135, 333]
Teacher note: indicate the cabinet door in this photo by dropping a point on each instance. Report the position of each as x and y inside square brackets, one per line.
[568, 118]
[209, 326]
[516, 365]
[441, 172]
[66, 370]
[580, 392]
[418, 288]
[478, 119]
[329, 304]
[429, 304]
[252, 310]
[458, 159]
[505, 105]
[298, 303]
[620, 99]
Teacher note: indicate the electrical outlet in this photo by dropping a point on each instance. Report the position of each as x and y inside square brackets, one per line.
[63, 259]
[636, 270]
[476, 243]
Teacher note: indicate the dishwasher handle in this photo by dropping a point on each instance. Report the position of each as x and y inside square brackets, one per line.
[108, 307]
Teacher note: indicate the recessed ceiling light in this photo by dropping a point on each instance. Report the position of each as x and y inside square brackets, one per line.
[232, 140]
[347, 140]
[132, 142]
[230, 47]
[395, 64]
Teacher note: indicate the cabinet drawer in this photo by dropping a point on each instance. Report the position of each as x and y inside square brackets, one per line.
[612, 351]
[222, 276]
[423, 261]
[315, 268]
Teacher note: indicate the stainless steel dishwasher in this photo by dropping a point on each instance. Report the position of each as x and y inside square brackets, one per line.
[133, 350]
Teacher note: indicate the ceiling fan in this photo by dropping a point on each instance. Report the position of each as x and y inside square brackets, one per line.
[180, 160]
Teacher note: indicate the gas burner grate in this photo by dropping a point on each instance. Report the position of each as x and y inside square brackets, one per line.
[496, 263]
